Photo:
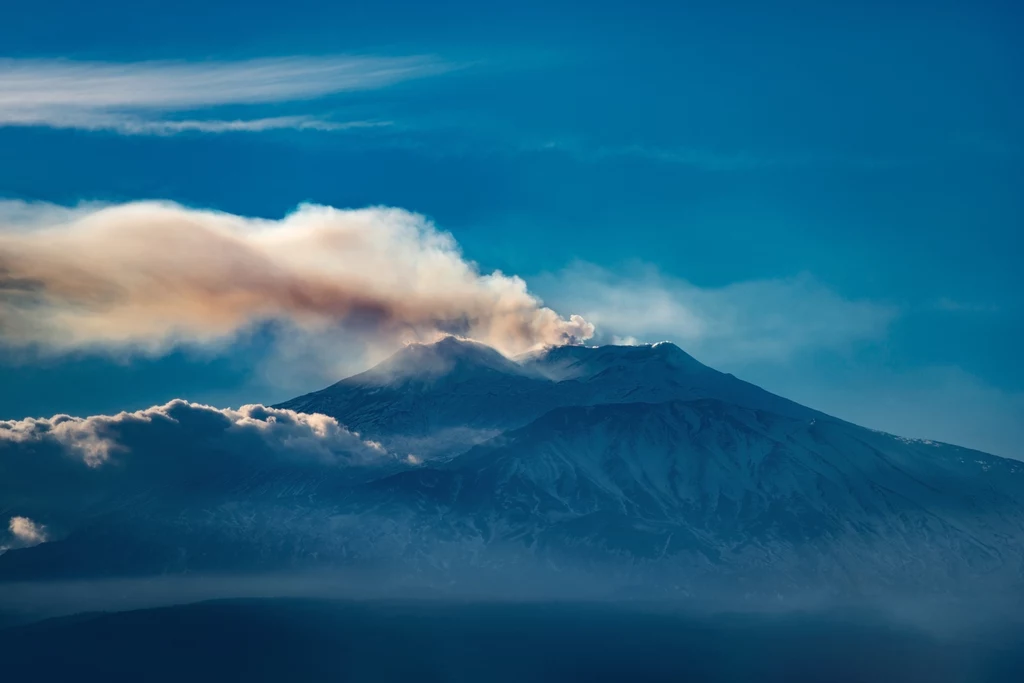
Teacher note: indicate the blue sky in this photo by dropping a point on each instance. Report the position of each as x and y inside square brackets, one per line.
[824, 200]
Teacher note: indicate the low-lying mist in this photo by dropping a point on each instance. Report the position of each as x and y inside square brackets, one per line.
[25, 601]
[305, 639]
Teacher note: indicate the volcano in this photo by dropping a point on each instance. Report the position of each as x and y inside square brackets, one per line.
[618, 469]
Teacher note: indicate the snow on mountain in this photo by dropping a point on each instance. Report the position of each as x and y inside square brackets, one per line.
[714, 489]
[650, 372]
[628, 466]
[435, 399]
[442, 398]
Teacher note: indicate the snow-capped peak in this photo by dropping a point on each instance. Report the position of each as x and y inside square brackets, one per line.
[450, 357]
[581, 362]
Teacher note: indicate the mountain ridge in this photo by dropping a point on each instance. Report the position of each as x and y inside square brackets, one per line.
[503, 393]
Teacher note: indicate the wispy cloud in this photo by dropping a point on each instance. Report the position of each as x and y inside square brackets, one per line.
[135, 125]
[709, 159]
[949, 305]
[465, 137]
[758, 320]
[142, 98]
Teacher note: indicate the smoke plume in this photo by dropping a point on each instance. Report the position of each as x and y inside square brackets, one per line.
[146, 276]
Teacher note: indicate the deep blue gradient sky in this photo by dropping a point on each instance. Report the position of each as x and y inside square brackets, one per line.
[871, 153]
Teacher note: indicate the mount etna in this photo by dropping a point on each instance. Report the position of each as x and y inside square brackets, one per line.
[614, 470]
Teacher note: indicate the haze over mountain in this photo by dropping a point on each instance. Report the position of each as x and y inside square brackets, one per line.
[573, 470]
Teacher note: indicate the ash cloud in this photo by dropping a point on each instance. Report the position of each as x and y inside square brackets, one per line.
[148, 276]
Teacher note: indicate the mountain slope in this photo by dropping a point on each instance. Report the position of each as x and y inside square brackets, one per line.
[441, 398]
[611, 467]
[434, 398]
[710, 487]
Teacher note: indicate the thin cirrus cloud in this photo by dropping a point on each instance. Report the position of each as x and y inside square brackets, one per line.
[156, 98]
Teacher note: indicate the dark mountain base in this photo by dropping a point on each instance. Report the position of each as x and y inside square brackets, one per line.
[307, 640]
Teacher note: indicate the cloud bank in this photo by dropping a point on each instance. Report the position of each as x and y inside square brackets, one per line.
[140, 98]
[52, 469]
[146, 276]
[96, 441]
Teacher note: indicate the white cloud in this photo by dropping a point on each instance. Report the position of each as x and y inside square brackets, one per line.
[133, 125]
[97, 440]
[137, 97]
[147, 276]
[747, 321]
[55, 468]
[26, 532]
